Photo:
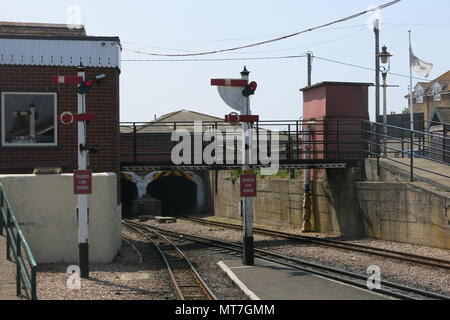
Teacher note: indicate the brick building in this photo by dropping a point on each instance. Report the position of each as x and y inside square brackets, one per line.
[31, 135]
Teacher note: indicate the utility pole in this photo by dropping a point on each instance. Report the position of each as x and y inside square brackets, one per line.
[307, 201]
[310, 57]
[83, 209]
[377, 69]
[248, 241]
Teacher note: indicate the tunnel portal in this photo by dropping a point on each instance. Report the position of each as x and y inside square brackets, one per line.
[129, 192]
[178, 195]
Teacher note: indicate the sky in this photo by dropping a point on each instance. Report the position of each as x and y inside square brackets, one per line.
[154, 88]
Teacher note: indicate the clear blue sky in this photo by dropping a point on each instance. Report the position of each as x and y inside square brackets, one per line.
[177, 26]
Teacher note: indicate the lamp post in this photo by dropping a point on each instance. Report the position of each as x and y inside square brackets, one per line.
[385, 59]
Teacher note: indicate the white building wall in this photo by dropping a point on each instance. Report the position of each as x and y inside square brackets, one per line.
[45, 206]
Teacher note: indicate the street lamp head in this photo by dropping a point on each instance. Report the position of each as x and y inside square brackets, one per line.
[385, 56]
[245, 72]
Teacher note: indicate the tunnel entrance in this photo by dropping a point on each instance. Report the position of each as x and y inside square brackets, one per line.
[178, 195]
[129, 192]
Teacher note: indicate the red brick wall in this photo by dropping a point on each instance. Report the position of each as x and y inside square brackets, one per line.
[102, 134]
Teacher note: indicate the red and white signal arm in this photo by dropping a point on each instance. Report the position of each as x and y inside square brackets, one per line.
[67, 79]
[230, 91]
[69, 118]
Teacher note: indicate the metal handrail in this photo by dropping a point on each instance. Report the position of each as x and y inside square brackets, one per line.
[26, 269]
[428, 147]
[409, 130]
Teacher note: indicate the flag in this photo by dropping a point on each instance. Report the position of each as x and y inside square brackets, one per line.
[421, 67]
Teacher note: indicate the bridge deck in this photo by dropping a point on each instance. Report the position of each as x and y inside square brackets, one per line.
[284, 165]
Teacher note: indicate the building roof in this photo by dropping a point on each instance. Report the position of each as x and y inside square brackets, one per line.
[185, 115]
[40, 29]
[333, 83]
[166, 122]
[40, 44]
[443, 80]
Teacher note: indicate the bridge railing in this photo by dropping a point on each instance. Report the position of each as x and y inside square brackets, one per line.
[395, 143]
[26, 266]
[320, 140]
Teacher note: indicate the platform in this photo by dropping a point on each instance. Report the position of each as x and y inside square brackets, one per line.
[7, 275]
[271, 281]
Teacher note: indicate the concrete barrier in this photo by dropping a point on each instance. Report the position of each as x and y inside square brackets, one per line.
[45, 206]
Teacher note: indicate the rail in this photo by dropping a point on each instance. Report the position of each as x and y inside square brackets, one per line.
[26, 266]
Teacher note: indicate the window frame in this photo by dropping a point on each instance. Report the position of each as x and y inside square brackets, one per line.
[4, 144]
[419, 94]
[437, 90]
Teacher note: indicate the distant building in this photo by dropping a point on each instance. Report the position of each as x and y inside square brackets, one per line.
[31, 135]
[430, 95]
[402, 121]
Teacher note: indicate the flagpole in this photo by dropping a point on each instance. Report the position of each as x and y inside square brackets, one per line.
[411, 101]
[411, 109]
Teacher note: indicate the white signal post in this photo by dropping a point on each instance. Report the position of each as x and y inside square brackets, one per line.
[248, 257]
[83, 207]
[234, 93]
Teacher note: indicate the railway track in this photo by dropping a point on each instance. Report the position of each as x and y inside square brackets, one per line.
[186, 281]
[389, 289]
[402, 256]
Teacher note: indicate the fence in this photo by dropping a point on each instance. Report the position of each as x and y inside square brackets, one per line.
[26, 266]
[393, 143]
[327, 140]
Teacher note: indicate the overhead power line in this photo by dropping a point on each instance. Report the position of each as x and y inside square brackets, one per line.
[353, 16]
[214, 59]
[365, 68]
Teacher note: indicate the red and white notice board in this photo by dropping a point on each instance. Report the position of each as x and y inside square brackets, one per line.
[248, 185]
[82, 182]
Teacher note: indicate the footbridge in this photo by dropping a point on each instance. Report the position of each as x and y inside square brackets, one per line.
[166, 158]
[288, 144]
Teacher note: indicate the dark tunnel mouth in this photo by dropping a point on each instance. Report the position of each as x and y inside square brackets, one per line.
[178, 195]
[129, 192]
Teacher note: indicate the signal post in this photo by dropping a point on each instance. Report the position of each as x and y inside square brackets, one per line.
[82, 176]
[236, 94]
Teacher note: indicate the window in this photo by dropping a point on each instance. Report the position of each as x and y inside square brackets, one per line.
[419, 94]
[29, 119]
[437, 89]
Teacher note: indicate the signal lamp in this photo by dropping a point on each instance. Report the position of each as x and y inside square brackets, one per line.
[250, 90]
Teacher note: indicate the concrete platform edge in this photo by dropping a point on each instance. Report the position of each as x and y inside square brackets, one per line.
[235, 279]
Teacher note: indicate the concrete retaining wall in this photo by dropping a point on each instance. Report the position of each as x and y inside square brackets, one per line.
[405, 212]
[45, 207]
[344, 204]
[278, 203]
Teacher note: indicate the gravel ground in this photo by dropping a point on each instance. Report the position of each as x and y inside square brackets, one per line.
[384, 244]
[126, 279]
[205, 262]
[123, 279]
[428, 278]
